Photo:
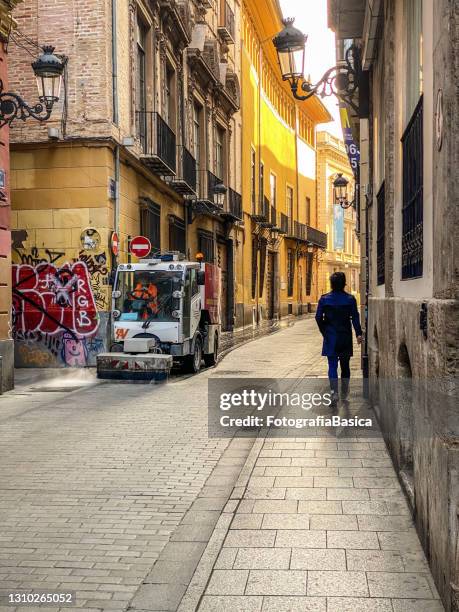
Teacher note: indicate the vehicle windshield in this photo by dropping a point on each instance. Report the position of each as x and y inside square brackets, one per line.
[147, 295]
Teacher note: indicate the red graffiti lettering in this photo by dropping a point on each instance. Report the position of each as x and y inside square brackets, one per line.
[50, 299]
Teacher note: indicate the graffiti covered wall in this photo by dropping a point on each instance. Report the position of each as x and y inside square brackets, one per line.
[60, 307]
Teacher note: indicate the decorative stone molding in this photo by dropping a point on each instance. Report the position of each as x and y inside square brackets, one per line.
[233, 87]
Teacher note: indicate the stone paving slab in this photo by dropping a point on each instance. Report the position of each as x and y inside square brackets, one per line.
[322, 525]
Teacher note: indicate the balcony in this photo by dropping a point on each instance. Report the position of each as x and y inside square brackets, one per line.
[158, 143]
[267, 214]
[300, 231]
[233, 210]
[262, 214]
[185, 181]
[273, 217]
[227, 28]
[284, 224]
[316, 237]
[206, 201]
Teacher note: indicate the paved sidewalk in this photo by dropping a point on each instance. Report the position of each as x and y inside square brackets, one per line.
[320, 524]
[114, 491]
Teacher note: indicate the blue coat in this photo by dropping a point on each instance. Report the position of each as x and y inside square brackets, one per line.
[335, 312]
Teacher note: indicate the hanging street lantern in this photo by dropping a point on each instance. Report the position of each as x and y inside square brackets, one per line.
[341, 80]
[290, 46]
[49, 70]
[340, 185]
[219, 194]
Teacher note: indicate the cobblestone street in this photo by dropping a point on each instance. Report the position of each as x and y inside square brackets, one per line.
[116, 492]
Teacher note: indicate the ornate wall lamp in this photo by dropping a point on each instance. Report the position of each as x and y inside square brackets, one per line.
[48, 70]
[341, 80]
[340, 185]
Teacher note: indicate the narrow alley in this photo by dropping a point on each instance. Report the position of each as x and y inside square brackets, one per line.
[116, 492]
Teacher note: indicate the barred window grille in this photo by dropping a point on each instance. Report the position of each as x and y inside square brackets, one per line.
[150, 224]
[290, 272]
[177, 234]
[380, 236]
[261, 281]
[206, 245]
[412, 223]
[254, 265]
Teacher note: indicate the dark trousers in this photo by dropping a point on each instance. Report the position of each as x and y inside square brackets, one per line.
[333, 370]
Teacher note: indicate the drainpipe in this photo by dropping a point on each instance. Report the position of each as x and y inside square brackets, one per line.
[114, 63]
[115, 116]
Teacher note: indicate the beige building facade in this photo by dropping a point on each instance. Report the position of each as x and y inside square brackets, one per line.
[408, 133]
[343, 247]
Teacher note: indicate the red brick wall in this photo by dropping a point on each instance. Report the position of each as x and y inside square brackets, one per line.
[80, 30]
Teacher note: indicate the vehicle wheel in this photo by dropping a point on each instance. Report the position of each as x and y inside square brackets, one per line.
[192, 363]
[212, 358]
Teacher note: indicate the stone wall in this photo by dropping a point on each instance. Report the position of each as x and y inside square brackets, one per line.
[413, 368]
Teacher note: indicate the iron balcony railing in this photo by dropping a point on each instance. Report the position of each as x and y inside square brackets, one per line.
[284, 225]
[234, 200]
[316, 237]
[185, 181]
[300, 231]
[205, 187]
[227, 27]
[413, 196]
[212, 181]
[157, 141]
[262, 211]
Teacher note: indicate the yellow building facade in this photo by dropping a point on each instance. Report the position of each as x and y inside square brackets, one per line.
[277, 274]
[343, 247]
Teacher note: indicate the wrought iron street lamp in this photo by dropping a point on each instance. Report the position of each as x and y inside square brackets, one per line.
[340, 185]
[341, 80]
[48, 70]
[219, 194]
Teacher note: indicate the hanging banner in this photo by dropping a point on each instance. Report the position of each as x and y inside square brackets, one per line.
[338, 228]
[352, 149]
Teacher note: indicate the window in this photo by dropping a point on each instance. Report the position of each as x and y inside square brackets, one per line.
[290, 208]
[197, 140]
[170, 101]
[412, 211]
[177, 234]
[206, 245]
[308, 211]
[141, 82]
[263, 253]
[254, 265]
[413, 29]
[219, 146]
[262, 183]
[290, 271]
[273, 189]
[253, 180]
[150, 224]
[380, 236]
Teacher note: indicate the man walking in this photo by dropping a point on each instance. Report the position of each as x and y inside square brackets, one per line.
[335, 312]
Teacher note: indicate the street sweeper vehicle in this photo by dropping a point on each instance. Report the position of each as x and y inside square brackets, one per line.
[165, 311]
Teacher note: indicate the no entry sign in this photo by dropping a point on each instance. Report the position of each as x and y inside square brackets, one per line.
[140, 246]
[115, 243]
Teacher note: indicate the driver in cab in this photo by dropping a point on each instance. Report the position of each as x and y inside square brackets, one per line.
[146, 291]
